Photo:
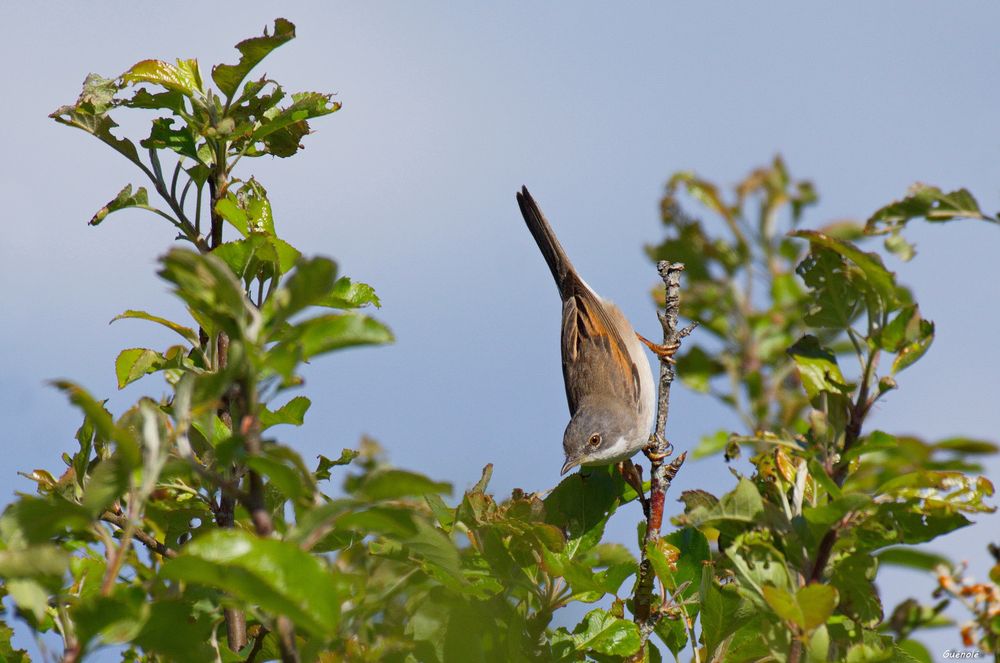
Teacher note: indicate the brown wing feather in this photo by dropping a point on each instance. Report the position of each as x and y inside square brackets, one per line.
[595, 357]
[595, 360]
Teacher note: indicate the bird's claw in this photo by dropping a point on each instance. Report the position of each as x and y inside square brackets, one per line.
[650, 450]
[665, 351]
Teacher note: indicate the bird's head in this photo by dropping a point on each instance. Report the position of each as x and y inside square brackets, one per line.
[598, 434]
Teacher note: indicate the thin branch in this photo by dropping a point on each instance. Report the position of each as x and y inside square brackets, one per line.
[661, 473]
[142, 537]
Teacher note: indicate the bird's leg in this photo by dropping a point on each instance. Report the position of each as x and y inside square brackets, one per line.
[632, 474]
[665, 351]
[652, 454]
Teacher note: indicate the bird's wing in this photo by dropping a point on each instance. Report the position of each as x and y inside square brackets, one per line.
[595, 357]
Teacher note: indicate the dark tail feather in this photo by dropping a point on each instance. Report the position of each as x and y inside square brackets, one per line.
[552, 250]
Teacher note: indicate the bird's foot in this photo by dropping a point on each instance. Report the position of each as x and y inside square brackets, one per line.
[665, 351]
[651, 450]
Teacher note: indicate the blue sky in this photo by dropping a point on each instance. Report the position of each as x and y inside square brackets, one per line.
[448, 109]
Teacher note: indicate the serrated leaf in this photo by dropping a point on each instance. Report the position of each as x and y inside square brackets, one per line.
[276, 575]
[346, 294]
[163, 136]
[881, 279]
[181, 77]
[834, 289]
[90, 115]
[293, 412]
[283, 128]
[323, 334]
[928, 202]
[229, 76]
[322, 470]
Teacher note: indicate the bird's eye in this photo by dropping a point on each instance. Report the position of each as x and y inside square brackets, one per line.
[595, 439]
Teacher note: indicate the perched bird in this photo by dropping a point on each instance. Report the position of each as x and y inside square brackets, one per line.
[609, 382]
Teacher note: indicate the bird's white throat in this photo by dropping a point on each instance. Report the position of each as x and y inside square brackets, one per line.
[620, 450]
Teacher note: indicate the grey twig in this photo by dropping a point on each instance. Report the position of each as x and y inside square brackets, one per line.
[662, 473]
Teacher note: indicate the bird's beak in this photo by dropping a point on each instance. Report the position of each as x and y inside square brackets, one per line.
[569, 465]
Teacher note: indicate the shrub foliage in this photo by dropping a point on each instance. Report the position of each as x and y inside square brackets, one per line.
[184, 529]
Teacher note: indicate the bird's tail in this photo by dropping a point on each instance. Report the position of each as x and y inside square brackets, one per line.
[552, 250]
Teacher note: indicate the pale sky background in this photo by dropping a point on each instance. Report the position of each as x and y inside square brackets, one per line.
[448, 109]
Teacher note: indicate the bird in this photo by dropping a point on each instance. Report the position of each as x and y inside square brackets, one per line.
[608, 378]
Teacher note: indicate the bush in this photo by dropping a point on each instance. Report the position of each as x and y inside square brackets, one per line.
[183, 529]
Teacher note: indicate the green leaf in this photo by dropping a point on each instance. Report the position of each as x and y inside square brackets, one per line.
[29, 596]
[229, 209]
[208, 286]
[163, 136]
[742, 504]
[276, 575]
[283, 128]
[835, 301]
[309, 284]
[691, 549]
[107, 482]
[809, 608]
[123, 200]
[293, 412]
[913, 558]
[854, 578]
[322, 471]
[914, 350]
[881, 279]
[967, 446]
[287, 479]
[177, 631]
[722, 612]
[712, 444]
[34, 562]
[90, 114]
[117, 618]
[128, 446]
[35, 520]
[390, 484]
[134, 363]
[581, 505]
[7, 652]
[603, 633]
[928, 202]
[346, 294]
[900, 247]
[229, 76]
[183, 77]
[818, 369]
[829, 513]
[323, 334]
[186, 333]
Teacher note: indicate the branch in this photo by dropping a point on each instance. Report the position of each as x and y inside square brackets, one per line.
[142, 537]
[661, 473]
